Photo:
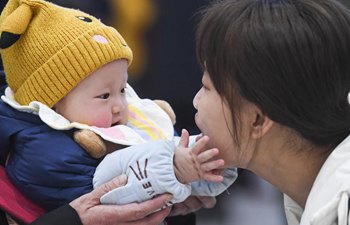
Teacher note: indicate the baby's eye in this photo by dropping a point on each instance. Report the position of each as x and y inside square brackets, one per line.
[123, 90]
[104, 96]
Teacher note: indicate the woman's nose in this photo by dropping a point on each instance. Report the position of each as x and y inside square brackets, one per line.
[195, 99]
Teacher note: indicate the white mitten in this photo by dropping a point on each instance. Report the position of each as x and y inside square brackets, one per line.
[150, 172]
[205, 188]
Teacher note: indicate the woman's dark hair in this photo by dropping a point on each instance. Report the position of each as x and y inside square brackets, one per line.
[289, 57]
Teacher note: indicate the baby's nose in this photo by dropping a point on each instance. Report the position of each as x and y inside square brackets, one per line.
[115, 109]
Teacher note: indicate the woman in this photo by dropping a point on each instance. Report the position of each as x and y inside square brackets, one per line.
[275, 98]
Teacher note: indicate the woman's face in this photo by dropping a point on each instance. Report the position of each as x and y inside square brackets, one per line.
[214, 119]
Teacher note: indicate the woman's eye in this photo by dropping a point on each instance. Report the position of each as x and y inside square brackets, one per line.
[104, 96]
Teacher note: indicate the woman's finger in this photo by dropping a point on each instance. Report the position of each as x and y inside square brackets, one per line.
[109, 186]
[136, 211]
[158, 217]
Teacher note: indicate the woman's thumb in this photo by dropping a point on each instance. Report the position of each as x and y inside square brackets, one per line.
[110, 185]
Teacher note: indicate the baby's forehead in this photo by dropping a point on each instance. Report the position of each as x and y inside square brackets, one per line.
[110, 74]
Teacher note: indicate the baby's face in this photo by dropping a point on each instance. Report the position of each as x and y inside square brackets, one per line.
[98, 100]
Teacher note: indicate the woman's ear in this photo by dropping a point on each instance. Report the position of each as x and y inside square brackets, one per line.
[261, 123]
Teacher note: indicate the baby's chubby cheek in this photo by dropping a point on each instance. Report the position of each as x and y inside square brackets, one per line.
[100, 121]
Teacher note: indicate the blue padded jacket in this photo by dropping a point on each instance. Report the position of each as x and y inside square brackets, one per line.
[47, 165]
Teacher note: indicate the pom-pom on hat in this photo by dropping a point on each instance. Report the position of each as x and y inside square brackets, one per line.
[47, 49]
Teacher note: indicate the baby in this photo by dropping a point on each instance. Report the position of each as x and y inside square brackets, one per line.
[65, 71]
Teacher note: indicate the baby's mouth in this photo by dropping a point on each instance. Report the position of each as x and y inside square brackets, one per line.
[115, 124]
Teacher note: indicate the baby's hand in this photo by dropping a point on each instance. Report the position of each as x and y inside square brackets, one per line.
[196, 163]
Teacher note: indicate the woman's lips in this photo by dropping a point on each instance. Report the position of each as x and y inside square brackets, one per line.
[196, 118]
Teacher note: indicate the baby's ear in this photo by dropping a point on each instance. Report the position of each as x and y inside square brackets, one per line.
[7, 39]
[14, 25]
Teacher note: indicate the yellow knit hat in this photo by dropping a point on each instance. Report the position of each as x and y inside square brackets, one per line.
[47, 49]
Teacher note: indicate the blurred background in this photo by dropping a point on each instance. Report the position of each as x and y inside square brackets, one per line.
[162, 36]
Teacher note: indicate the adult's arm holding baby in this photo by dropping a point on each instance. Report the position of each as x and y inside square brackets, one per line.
[87, 210]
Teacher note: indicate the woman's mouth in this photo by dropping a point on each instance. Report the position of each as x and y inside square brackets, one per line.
[196, 117]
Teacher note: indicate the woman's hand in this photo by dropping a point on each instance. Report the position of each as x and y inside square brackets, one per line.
[192, 204]
[91, 211]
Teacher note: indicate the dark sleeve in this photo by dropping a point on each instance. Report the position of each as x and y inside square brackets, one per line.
[3, 219]
[189, 219]
[62, 215]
